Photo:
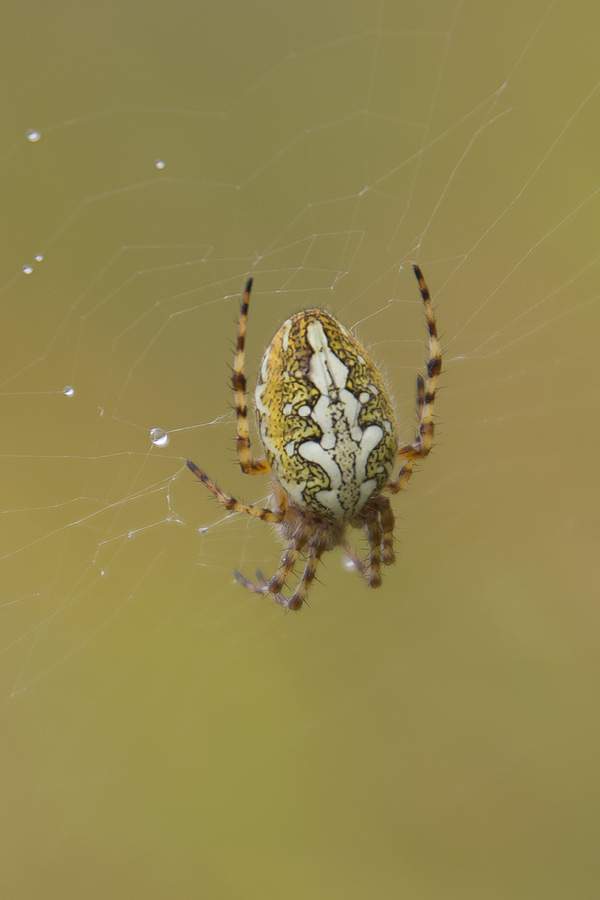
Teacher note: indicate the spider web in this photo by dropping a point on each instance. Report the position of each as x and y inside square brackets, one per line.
[149, 703]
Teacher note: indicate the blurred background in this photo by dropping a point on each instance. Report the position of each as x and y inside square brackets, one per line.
[165, 733]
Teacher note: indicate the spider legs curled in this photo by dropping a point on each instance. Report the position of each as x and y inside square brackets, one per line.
[298, 530]
[274, 586]
[304, 538]
[261, 586]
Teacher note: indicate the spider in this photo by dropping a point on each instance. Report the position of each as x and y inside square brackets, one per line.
[329, 434]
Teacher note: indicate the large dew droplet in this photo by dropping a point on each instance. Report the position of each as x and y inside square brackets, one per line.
[159, 437]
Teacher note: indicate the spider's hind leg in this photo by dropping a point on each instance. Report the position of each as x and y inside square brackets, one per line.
[387, 520]
[356, 560]
[377, 521]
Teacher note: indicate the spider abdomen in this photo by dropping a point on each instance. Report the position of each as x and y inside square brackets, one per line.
[325, 418]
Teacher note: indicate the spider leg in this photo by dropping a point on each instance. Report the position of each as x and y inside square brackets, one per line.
[286, 564]
[275, 584]
[355, 559]
[267, 515]
[374, 533]
[394, 487]
[386, 517]
[426, 390]
[369, 519]
[310, 569]
[261, 586]
[377, 521]
[250, 465]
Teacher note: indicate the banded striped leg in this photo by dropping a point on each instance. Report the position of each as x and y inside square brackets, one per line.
[421, 446]
[387, 527]
[267, 515]
[250, 465]
[374, 535]
[378, 524]
[261, 586]
[407, 469]
[310, 569]
[272, 588]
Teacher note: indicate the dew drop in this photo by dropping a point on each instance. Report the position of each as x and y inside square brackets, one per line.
[33, 136]
[159, 164]
[159, 437]
[27, 270]
[39, 257]
[68, 391]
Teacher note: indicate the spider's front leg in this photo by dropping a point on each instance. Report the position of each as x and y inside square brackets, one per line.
[249, 464]
[426, 391]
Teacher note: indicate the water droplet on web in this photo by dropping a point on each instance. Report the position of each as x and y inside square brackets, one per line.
[27, 270]
[159, 437]
[160, 164]
[38, 257]
[68, 391]
[33, 136]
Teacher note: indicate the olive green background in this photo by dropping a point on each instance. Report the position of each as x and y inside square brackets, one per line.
[164, 733]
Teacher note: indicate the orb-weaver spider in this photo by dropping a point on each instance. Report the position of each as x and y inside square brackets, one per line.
[329, 433]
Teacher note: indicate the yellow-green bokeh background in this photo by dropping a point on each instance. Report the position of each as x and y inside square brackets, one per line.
[164, 734]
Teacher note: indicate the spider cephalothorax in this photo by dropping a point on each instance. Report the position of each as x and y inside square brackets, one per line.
[329, 434]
